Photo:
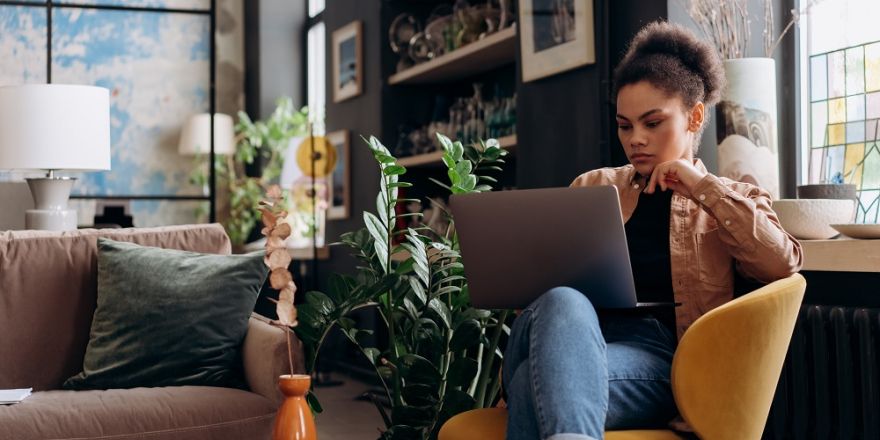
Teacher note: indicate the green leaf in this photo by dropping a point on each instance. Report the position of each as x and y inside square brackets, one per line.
[419, 370]
[400, 185]
[462, 372]
[454, 177]
[404, 267]
[382, 210]
[439, 307]
[445, 142]
[321, 302]
[469, 182]
[394, 170]
[372, 354]
[376, 228]
[457, 401]
[402, 432]
[419, 395]
[446, 289]
[463, 168]
[466, 335]
[346, 323]
[418, 291]
[314, 404]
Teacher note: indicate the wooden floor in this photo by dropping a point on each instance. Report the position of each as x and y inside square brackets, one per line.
[345, 418]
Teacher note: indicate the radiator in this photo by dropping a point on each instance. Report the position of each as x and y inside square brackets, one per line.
[830, 384]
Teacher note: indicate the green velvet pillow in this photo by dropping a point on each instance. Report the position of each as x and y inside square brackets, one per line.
[168, 317]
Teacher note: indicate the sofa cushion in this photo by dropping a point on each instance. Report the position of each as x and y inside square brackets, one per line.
[173, 413]
[168, 317]
[47, 295]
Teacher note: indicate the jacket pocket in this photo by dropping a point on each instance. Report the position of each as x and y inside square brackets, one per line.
[715, 263]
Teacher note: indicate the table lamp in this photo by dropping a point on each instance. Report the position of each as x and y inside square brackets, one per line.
[54, 127]
[195, 138]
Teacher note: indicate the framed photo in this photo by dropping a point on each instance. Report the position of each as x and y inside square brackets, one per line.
[340, 178]
[348, 71]
[555, 36]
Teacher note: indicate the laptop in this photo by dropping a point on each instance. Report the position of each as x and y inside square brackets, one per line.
[516, 245]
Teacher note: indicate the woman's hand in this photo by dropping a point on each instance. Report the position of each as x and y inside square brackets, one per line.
[678, 175]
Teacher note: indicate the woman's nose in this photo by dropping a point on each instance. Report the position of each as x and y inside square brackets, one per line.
[638, 138]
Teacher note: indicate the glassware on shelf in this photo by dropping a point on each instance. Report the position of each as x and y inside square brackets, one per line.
[467, 119]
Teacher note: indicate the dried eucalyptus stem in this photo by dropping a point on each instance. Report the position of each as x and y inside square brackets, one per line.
[278, 259]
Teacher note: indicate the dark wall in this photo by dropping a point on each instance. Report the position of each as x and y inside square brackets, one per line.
[361, 116]
[565, 122]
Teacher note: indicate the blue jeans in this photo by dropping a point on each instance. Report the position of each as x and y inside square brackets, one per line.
[570, 375]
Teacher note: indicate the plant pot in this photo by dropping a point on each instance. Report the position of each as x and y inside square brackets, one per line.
[294, 419]
[747, 124]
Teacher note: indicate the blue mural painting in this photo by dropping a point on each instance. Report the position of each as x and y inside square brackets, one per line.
[156, 66]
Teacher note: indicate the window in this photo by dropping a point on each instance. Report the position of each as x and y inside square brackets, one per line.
[841, 109]
[316, 64]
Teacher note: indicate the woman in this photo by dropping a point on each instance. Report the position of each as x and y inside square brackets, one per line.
[571, 372]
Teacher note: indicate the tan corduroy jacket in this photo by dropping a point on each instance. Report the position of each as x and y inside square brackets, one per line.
[727, 226]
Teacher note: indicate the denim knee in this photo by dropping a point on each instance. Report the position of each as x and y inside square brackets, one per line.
[562, 301]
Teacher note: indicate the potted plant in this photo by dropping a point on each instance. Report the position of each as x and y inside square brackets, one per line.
[265, 141]
[442, 354]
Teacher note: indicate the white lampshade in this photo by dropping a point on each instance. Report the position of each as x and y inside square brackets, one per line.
[54, 127]
[195, 138]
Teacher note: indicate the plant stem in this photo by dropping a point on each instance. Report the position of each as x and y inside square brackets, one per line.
[490, 358]
[289, 351]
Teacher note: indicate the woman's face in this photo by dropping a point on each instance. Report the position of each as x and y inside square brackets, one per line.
[654, 126]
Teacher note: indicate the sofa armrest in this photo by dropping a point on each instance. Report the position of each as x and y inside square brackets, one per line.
[264, 354]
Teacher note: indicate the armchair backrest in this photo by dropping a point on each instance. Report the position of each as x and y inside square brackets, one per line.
[727, 365]
[48, 287]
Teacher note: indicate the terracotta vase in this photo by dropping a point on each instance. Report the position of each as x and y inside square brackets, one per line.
[294, 419]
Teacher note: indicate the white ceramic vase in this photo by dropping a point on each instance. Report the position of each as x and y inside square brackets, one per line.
[747, 124]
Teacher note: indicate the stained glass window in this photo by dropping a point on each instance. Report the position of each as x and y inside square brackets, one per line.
[845, 123]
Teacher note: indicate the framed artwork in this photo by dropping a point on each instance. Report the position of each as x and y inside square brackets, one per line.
[348, 68]
[555, 36]
[340, 178]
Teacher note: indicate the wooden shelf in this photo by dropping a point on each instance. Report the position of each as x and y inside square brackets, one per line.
[435, 158]
[841, 255]
[480, 56]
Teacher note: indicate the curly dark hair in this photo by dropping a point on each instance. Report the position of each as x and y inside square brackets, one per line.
[673, 59]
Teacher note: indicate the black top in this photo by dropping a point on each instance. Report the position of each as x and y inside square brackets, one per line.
[647, 237]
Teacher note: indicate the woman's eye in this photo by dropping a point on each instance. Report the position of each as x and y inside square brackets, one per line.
[653, 124]
[624, 127]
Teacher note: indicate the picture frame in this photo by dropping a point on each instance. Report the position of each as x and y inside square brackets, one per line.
[555, 36]
[348, 69]
[340, 178]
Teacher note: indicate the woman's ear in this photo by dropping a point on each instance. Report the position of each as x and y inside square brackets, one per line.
[696, 117]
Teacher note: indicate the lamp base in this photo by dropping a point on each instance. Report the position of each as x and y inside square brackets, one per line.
[50, 200]
[50, 219]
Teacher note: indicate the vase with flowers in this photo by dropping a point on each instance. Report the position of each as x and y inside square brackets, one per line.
[747, 114]
[294, 419]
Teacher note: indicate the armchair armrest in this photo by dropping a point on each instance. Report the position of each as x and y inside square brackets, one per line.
[264, 355]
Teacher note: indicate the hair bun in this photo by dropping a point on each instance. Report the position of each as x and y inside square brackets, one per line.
[666, 39]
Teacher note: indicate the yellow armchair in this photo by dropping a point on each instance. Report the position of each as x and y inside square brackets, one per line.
[724, 372]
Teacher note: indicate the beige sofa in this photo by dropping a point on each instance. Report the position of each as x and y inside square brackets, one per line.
[47, 299]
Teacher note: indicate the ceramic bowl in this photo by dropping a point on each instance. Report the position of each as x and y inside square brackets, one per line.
[810, 219]
[827, 191]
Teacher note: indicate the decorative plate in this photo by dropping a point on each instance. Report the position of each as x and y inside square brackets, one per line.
[402, 29]
[859, 230]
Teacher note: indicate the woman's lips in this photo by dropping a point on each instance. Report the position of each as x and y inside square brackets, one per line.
[640, 157]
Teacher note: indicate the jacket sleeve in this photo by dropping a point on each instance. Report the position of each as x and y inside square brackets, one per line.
[589, 178]
[750, 230]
